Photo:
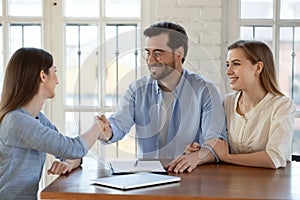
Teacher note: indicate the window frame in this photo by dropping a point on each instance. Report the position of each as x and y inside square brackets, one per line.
[53, 38]
[235, 22]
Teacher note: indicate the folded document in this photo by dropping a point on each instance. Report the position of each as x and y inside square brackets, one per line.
[129, 167]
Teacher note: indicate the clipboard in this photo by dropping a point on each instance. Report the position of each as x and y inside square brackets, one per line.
[137, 180]
[121, 167]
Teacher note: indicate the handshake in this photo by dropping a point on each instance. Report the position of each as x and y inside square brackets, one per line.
[106, 131]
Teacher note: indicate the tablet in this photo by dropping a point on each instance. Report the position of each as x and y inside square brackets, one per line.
[137, 180]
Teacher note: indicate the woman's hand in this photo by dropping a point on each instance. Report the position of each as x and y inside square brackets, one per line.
[192, 148]
[220, 147]
[63, 167]
[106, 132]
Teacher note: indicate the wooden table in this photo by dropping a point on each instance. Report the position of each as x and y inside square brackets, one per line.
[212, 181]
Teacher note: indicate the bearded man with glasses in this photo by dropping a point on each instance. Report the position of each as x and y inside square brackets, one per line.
[172, 107]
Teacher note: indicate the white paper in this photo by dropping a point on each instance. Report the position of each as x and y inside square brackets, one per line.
[142, 166]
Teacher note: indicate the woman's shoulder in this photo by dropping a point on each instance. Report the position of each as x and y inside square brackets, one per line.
[17, 114]
[282, 102]
[15, 121]
[280, 99]
[21, 116]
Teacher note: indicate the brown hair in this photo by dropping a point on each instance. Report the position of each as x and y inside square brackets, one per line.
[256, 51]
[21, 81]
[177, 35]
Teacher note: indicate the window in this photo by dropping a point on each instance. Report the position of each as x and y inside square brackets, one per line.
[20, 27]
[277, 23]
[21, 8]
[94, 44]
[101, 59]
[25, 35]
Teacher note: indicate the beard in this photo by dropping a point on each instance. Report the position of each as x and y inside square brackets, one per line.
[161, 71]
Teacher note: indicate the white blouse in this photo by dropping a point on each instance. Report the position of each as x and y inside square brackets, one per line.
[269, 127]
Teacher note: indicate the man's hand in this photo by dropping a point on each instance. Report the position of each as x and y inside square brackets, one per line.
[104, 124]
[183, 163]
[190, 161]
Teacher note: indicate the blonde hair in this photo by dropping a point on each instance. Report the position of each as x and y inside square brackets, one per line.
[256, 51]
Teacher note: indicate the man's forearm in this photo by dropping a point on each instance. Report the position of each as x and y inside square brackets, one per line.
[205, 156]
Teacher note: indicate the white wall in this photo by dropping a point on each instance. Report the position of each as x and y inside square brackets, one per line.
[202, 20]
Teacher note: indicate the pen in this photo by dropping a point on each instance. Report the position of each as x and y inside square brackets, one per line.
[136, 163]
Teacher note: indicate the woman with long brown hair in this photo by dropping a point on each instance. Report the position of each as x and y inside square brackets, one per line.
[26, 135]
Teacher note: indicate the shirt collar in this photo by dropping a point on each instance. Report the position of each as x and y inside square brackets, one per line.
[178, 88]
[260, 105]
[27, 113]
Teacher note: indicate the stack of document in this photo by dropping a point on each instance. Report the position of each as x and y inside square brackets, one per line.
[129, 167]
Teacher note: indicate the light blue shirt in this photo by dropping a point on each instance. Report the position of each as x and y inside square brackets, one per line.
[198, 115]
[24, 142]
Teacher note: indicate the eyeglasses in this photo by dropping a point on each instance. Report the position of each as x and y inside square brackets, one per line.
[156, 53]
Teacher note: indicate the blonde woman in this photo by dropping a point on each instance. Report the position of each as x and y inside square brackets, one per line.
[260, 118]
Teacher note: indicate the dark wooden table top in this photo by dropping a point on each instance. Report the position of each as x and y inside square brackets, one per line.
[211, 181]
